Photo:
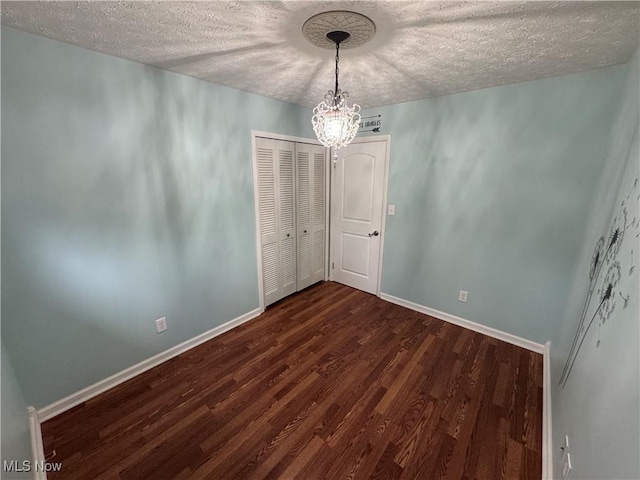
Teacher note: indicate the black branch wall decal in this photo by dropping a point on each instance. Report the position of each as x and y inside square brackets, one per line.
[603, 291]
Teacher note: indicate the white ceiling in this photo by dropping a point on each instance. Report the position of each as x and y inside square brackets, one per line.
[421, 49]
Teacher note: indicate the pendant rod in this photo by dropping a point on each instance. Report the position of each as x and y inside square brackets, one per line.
[337, 37]
[337, 68]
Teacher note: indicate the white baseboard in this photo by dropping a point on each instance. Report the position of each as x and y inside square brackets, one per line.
[476, 327]
[547, 437]
[37, 447]
[97, 388]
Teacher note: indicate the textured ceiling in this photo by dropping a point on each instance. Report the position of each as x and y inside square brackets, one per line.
[421, 49]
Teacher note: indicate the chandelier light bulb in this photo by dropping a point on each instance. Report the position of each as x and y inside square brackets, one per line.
[333, 127]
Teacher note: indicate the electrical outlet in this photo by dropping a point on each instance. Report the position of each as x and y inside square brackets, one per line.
[161, 324]
[463, 296]
[566, 467]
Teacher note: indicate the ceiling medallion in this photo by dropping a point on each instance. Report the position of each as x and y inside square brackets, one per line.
[360, 29]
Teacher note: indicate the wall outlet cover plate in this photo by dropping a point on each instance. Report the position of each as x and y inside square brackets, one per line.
[161, 324]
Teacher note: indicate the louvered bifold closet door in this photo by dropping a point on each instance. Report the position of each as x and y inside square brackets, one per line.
[286, 153]
[310, 207]
[318, 221]
[275, 169]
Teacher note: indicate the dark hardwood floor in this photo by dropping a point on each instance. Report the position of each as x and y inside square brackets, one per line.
[329, 383]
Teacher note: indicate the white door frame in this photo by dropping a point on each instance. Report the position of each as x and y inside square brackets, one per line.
[369, 139]
[256, 205]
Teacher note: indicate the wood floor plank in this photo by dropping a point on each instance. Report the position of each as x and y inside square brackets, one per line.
[172, 433]
[300, 461]
[329, 383]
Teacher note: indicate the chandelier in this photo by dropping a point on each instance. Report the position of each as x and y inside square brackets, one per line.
[334, 121]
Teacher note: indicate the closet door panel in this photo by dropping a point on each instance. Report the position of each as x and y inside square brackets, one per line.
[276, 205]
[310, 162]
[268, 219]
[317, 256]
[270, 271]
[318, 217]
[286, 151]
[304, 199]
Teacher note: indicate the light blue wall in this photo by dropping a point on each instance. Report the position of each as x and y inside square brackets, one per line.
[492, 191]
[599, 407]
[15, 427]
[127, 195]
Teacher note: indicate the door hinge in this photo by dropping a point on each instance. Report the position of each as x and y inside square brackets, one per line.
[333, 266]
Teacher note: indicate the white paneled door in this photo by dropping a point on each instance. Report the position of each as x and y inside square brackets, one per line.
[357, 208]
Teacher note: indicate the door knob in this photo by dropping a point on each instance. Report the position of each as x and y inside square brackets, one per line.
[374, 234]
